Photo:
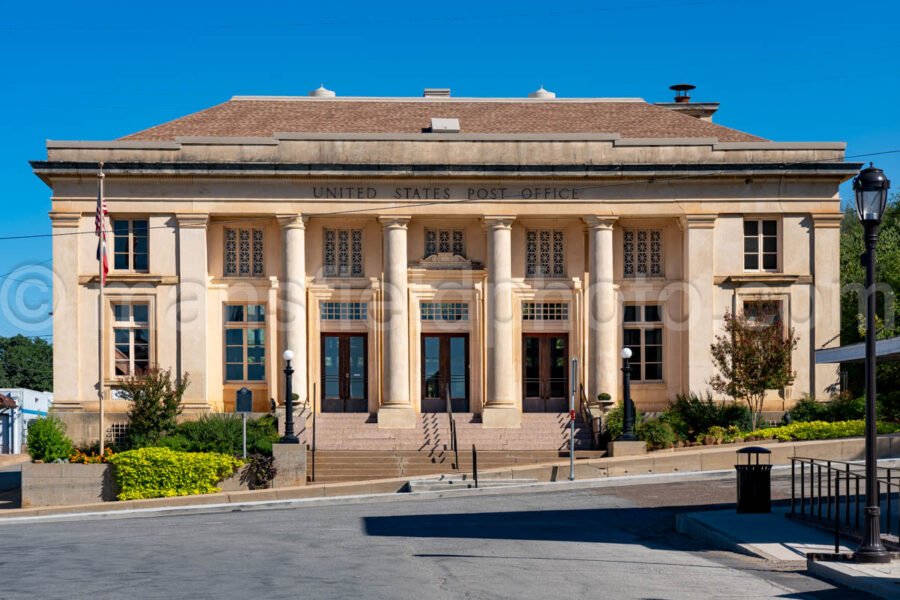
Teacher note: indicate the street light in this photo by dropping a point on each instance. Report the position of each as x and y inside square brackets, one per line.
[871, 187]
[288, 437]
[627, 404]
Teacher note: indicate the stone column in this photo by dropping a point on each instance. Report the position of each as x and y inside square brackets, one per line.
[66, 363]
[700, 311]
[396, 410]
[500, 408]
[603, 322]
[826, 305]
[293, 297]
[193, 309]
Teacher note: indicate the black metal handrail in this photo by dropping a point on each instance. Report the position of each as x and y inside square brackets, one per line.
[475, 465]
[453, 441]
[589, 419]
[817, 495]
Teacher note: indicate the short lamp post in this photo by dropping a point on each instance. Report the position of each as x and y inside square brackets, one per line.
[871, 188]
[288, 437]
[627, 405]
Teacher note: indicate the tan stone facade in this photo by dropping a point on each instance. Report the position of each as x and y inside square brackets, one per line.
[399, 266]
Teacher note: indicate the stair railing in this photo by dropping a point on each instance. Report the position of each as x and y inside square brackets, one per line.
[589, 420]
[475, 465]
[453, 441]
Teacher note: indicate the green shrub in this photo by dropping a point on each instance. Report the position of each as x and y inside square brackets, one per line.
[691, 415]
[809, 409]
[820, 430]
[889, 407]
[259, 472]
[615, 419]
[223, 433]
[657, 433]
[155, 399]
[47, 440]
[161, 472]
[841, 408]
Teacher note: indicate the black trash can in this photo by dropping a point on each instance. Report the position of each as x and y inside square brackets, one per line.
[754, 481]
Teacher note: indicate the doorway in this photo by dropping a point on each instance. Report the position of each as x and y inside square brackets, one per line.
[445, 370]
[545, 377]
[344, 370]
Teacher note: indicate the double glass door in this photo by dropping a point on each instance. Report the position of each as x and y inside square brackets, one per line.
[445, 371]
[545, 376]
[344, 384]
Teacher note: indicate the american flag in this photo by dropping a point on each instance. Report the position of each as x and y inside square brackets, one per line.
[100, 227]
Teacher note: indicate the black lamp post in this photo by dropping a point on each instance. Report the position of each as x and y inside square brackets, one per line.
[627, 404]
[871, 187]
[288, 437]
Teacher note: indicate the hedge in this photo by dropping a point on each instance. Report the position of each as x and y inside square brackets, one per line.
[161, 472]
[820, 430]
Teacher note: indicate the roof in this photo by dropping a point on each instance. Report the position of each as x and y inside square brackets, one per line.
[250, 116]
[6, 401]
[888, 349]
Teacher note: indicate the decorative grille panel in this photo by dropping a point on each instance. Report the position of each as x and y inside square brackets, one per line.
[545, 253]
[343, 253]
[244, 252]
[642, 253]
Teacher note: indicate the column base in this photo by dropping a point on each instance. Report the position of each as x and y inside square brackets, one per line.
[396, 418]
[506, 417]
[626, 448]
[290, 460]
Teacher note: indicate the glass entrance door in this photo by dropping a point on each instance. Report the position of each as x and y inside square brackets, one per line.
[445, 370]
[344, 385]
[545, 376]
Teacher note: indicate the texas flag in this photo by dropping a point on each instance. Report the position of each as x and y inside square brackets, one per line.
[100, 227]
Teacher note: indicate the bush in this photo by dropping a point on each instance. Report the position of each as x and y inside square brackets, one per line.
[155, 405]
[91, 457]
[841, 408]
[693, 414]
[889, 409]
[657, 433]
[47, 440]
[615, 419]
[161, 472]
[223, 433]
[259, 472]
[819, 430]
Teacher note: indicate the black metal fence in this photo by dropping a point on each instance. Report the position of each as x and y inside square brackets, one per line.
[833, 493]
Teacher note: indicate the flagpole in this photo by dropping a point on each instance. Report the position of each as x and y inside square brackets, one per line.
[102, 280]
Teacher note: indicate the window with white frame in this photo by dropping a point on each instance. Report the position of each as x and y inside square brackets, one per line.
[642, 252]
[131, 337]
[760, 245]
[245, 342]
[244, 252]
[545, 311]
[643, 335]
[444, 241]
[545, 253]
[343, 311]
[343, 253]
[445, 311]
[130, 245]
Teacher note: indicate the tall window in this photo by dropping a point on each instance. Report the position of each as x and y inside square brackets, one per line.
[343, 253]
[642, 252]
[245, 342]
[763, 312]
[545, 254]
[444, 241]
[130, 246]
[244, 256]
[760, 245]
[131, 333]
[643, 335]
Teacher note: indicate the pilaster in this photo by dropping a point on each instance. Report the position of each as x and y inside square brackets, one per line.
[699, 299]
[826, 303]
[66, 330]
[193, 308]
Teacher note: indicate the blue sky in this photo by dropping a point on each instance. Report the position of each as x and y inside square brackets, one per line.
[788, 71]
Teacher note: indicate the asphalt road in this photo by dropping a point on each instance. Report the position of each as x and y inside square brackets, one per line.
[601, 543]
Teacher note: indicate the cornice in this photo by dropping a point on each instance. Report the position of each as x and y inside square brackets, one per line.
[192, 220]
[65, 220]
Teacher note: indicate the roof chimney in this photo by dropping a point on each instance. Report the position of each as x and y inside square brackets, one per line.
[436, 93]
[682, 103]
[321, 92]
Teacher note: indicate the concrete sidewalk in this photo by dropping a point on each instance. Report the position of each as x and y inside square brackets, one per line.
[775, 537]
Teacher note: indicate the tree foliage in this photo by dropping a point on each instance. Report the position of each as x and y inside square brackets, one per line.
[155, 398]
[752, 358]
[26, 363]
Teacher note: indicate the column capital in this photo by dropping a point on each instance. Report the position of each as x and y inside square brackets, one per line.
[60, 219]
[827, 220]
[394, 221]
[192, 220]
[697, 222]
[292, 221]
[498, 222]
[600, 222]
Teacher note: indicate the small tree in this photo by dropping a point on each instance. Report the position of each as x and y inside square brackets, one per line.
[155, 405]
[752, 358]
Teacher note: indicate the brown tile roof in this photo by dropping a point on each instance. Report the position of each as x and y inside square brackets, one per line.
[261, 117]
[6, 401]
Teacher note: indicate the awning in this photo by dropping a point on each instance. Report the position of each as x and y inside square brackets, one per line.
[888, 349]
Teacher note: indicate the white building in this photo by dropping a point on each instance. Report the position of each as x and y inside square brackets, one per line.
[18, 407]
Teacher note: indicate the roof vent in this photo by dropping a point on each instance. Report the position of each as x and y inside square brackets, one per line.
[681, 91]
[436, 93]
[321, 92]
[439, 125]
[542, 94]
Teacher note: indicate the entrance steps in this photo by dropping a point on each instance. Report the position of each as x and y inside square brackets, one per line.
[358, 431]
[462, 482]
